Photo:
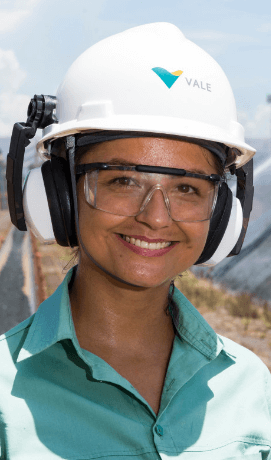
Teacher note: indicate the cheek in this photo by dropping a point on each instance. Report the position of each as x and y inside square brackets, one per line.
[202, 231]
[90, 219]
[95, 225]
[196, 235]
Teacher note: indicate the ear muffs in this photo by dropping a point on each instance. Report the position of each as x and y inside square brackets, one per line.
[225, 227]
[49, 212]
[36, 209]
[48, 203]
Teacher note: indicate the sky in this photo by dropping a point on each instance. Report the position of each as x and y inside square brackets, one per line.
[39, 40]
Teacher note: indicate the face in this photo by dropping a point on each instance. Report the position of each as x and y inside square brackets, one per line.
[100, 231]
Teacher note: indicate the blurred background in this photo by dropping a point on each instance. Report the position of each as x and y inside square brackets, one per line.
[40, 39]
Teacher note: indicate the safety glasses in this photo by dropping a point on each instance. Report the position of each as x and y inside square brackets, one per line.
[125, 190]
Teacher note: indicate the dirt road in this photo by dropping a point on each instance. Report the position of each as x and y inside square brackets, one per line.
[16, 278]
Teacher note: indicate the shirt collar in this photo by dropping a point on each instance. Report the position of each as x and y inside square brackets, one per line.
[53, 322]
[194, 329]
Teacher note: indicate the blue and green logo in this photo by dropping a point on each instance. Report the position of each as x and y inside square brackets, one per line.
[168, 78]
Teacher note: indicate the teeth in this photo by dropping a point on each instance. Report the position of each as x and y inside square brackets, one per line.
[144, 244]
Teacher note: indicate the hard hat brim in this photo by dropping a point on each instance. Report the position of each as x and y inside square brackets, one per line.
[154, 124]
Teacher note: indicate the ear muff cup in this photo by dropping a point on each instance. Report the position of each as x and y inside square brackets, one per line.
[56, 177]
[218, 223]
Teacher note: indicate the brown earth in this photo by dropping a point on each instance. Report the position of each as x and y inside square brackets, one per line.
[251, 333]
[55, 263]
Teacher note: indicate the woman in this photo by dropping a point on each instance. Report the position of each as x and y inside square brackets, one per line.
[117, 363]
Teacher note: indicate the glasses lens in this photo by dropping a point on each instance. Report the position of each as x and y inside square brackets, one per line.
[191, 199]
[117, 192]
[126, 193]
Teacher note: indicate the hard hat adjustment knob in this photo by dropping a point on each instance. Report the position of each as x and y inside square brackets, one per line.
[41, 111]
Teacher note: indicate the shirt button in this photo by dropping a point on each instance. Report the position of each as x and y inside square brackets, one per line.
[159, 430]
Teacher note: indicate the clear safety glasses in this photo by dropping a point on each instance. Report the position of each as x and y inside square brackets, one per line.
[126, 190]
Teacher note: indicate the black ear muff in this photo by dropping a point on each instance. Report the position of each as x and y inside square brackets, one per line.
[218, 223]
[56, 177]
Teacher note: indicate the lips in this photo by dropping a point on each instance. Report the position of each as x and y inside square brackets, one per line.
[161, 248]
[142, 242]
[148, 240]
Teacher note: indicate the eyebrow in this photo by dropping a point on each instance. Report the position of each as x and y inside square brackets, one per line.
[120, 161]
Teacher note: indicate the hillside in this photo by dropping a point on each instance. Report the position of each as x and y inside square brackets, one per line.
[250, 271]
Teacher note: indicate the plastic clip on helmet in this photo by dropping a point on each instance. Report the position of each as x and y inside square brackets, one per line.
[146, 80]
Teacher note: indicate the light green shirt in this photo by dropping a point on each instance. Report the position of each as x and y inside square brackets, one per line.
[60, 401]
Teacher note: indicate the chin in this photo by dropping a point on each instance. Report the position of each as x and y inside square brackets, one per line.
[145, 277]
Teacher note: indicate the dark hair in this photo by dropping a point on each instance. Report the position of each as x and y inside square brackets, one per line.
[218, 165]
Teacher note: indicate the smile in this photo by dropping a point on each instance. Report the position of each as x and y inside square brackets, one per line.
[144, 244]
[159, 248]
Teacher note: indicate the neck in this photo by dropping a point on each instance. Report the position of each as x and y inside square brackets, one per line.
[110, 313]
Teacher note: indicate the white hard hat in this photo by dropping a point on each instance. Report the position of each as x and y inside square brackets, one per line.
[148, 79]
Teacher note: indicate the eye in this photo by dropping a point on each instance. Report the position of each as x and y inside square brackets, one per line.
[186, 189]
[123, 181]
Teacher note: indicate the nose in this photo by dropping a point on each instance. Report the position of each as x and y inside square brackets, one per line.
[155, 213]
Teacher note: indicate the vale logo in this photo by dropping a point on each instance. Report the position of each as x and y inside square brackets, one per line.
[168, 78]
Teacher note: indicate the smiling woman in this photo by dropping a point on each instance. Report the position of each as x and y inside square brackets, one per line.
[117, 363]
[154, 221]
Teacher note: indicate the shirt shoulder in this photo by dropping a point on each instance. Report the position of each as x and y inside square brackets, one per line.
[248, 366]
[242, 354]
[251, 372]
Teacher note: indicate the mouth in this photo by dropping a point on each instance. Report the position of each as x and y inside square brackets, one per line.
[146, 243]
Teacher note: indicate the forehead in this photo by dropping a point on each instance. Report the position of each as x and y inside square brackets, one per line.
[153, 151]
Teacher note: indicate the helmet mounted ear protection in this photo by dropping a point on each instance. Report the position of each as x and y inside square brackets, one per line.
[48, 207]
[40, 113]
[169, 87]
